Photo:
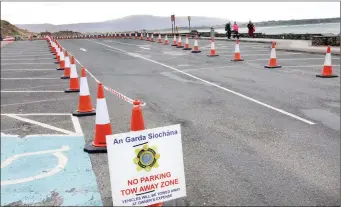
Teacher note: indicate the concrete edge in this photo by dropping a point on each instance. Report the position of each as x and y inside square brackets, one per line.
[281, 49]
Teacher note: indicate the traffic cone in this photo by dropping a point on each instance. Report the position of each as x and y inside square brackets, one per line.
[61, 60]
[212, 51]
[74, 83]
[84, 104]
[147, 37]
[174, 41]
[130, 37]
[141, 36]
[196, 46]
[166, 40]
[136, 37]
[67, 66]
[237, 52]
[152, 38]
[273, 59]
[179, 43]
[327, 71]
[137, 122]
[159, 40]
[103, 127]
[187, 44]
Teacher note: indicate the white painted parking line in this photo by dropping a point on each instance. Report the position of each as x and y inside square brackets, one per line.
[307, 66]
[76, 124]
[2, 59]
[29, 78]
[38, 114]
[268, 54]
[51, 63]
[46, 54]
[24, 70]
[40, 86]
[40, 124]
[210, 83]
[145, 48]
[291, 59]
[30, 102]
[32, 91]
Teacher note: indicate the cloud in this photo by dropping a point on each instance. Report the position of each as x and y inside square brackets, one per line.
[76, 12]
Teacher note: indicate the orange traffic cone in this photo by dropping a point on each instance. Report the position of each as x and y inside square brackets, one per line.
[327, 71]
[237, 52]
[67, 66]
[103, 127]
[159, 40]
[130, 37]
[174, 41]
[196, 45]
[187, 44]
[84, 104]
[74, 83]
[141, 36]
[152, 38]
[273, 59]
[166, 40]
[147, 37]
[136, 37]
[179, 43]
[212, 51]
[61, 60]
[137, 122]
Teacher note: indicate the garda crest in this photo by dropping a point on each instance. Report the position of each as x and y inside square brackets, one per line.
[146, 158]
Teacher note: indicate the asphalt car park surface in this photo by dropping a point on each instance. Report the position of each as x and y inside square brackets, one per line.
[251, 135]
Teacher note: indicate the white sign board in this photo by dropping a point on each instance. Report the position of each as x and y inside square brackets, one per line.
[146, 167]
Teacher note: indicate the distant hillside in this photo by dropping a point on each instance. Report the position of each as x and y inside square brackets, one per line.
[65, 33]
[129, 23]
[7, 29]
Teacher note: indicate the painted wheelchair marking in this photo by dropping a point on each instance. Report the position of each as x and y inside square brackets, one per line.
[62, 161]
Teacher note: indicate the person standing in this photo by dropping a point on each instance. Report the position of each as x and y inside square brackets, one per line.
[228, 30]
[235, 29]
[251, 28]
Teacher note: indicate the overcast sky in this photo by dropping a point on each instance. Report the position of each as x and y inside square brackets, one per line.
[76, 12]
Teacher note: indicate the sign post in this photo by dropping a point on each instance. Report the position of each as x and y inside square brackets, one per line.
[146, 167]
[173, 23]
[189, 23]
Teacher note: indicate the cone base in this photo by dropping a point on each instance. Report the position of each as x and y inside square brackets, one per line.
[79, 114]
[69, 90]
[327, 76]
[55, 58]
[276, 66]
[64, 77]
[174, 45]
[60, 68]
[238, 60]
[196, 51]
[56, 62]
[187, 48]
[212, 55]
[92, 149]
[179, 46]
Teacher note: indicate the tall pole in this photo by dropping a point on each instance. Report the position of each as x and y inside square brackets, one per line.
[189, 23]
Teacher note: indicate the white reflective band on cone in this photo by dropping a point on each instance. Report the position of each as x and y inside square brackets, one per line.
[61, 55]
[84, 89]
[73, 72]
[102, 116]
[273, 53]
[328, 60]
[236, 50]
[67, 62]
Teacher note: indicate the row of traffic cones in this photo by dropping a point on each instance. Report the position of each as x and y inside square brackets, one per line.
[327, 71]
[85, 108]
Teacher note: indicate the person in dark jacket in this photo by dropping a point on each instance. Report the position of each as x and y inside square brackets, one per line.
[228, 30]
[251, 28]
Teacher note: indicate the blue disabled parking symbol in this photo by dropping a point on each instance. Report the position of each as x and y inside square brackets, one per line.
[47, 170]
